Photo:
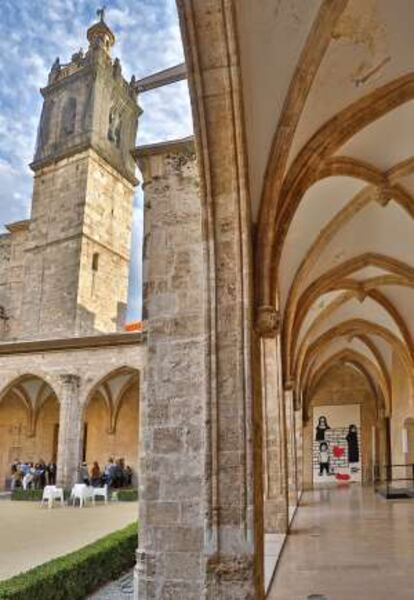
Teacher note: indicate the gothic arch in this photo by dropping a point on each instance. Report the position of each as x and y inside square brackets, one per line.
[303, 170]
[370, 371]
[126, 377]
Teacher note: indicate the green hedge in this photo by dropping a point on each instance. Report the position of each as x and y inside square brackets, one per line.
[32, 495]
[74, 576]
[29, 495]
[127, 495]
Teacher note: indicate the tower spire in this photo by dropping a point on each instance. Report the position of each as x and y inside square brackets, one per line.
[99, 34]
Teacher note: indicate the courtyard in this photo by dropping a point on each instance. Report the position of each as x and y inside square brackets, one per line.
[30, 535]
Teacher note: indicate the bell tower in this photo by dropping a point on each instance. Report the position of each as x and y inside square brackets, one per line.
[77, 257]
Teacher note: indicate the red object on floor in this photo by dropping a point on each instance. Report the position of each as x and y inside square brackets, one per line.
[338, 451]
[343, 477]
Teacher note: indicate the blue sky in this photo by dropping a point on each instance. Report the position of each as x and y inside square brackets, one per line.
[32, 34]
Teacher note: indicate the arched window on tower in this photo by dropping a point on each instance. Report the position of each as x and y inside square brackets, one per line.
[69, 116]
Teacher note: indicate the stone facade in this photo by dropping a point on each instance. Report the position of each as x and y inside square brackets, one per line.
[74, 372]
[82, 206]
[64, 277]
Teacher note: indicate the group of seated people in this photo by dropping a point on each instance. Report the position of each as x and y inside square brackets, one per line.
[29, 475]
[114, 474]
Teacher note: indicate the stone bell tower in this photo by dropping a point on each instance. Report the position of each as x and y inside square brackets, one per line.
[77, 258]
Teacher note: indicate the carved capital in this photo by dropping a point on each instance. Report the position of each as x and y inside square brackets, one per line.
[289, 385]
[70, 382]
[267, 321]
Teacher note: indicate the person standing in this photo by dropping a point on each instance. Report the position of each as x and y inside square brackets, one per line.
[109, 472]
[51, 473]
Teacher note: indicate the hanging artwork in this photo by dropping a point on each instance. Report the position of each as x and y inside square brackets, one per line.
[337, 443]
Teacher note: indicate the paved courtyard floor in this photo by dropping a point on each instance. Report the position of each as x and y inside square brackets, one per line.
[122, 589]
[30, 535]
[348, 543]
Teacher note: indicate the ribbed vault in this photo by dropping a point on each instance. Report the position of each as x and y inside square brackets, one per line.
[334, 252]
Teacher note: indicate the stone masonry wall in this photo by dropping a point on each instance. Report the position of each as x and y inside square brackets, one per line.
[91, 364]
[12, 256]
[53, 249]
[5, 251]
[107, 223]
[173, 422]
[16, 279]
[81, 208]
[73, 375]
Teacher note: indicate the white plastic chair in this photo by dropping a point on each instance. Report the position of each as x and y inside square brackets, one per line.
[100, 492]
[50, 494]
[82, 492]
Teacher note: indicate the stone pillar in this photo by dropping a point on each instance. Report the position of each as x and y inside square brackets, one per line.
[299, 450]
[307, 454]
[200, 535]
[197, 486]
[291, 450]
[274, 433]
[70, 431]
[173, 486]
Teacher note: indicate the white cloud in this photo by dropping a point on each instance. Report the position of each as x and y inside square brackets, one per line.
[33, 33]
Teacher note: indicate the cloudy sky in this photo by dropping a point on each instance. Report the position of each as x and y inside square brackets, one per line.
[32, 34]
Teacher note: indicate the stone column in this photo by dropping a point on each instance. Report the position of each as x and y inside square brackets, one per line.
[173, 486]
[299, 449]
[291, 449]
[307, 453]
[70, 431]
[196, 472]
[200, 534]
[275, 487]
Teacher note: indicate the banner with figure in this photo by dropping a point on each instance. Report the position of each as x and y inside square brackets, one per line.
[337, 443]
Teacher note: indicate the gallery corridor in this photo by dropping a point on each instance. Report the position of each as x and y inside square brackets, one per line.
[348, 543]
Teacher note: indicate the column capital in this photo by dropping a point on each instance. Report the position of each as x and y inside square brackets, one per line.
[70, 380]
[289, 384]
[267, 321]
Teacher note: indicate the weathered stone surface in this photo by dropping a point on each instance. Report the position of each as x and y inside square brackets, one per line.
[173, 411]
[275, 459]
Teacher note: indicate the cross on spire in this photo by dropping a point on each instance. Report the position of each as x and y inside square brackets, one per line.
[101, 13]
